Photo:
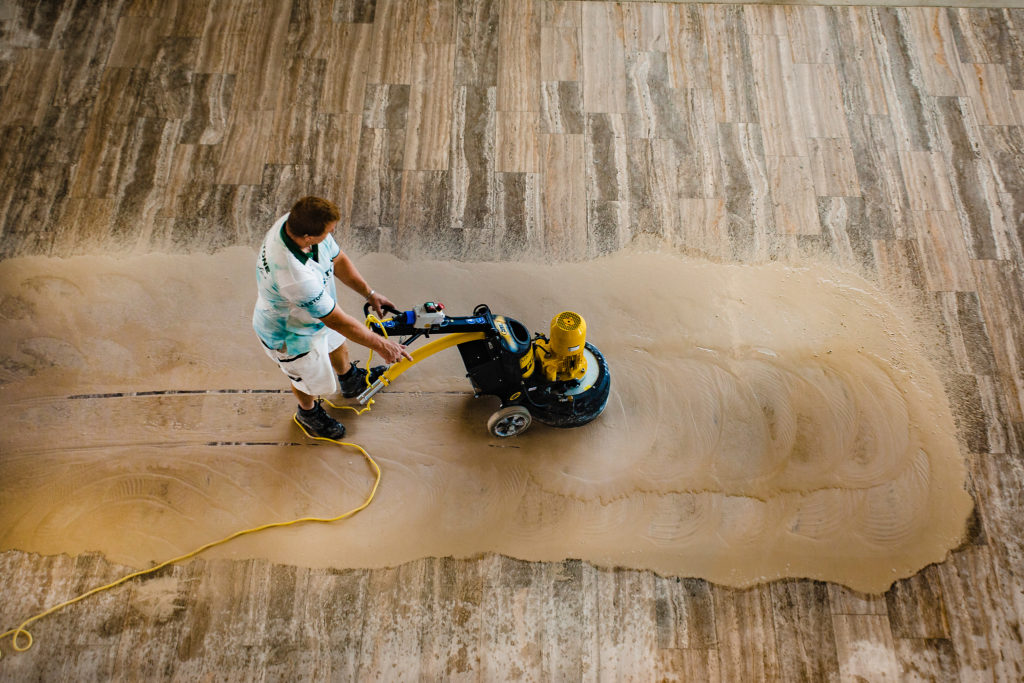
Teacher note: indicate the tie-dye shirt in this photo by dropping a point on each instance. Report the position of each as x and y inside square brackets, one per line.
[295, 290]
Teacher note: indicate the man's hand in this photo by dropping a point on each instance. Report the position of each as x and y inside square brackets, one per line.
[378, 301]
[391, 352]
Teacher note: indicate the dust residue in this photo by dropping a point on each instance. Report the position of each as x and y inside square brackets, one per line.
[765, 421]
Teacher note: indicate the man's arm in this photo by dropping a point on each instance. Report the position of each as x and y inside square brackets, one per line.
[346, 271]
[342, 322]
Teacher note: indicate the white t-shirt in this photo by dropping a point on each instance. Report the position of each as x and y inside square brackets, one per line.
[295, 290]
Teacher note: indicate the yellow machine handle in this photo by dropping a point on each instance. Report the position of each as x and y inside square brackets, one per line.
[425, 351]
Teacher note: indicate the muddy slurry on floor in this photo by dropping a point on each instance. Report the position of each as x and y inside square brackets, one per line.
[765, 421]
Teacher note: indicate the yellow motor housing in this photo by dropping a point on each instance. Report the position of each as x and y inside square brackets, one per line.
[561, 358]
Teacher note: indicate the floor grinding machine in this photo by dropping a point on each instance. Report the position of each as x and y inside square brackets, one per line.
[561, 380]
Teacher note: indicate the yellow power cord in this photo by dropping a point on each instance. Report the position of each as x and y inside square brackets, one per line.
[22, 631]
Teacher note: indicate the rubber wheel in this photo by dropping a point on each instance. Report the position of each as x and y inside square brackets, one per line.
[509, 421]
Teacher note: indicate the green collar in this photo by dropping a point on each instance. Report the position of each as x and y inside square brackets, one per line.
[296, 249]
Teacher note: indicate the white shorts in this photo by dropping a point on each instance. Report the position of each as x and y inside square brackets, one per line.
[312, 372]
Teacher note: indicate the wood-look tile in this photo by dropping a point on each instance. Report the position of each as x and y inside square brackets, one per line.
[899, 267]
[793, 198]
[765, 20]
[99, 165]
[701, 227]
[984, 35]
[136, 42]
[189, 18]
[609, 227]
[434, 21]
[561, 107]
[430, 107]
[345, 74]
[519, 52]
[654, 110]
[148, 153]
[386, 106]
[747, 642]
[833, 168]
[607, 170]
[246, 147]
[688, 63]
[563, 13]
[83, 217]
[309, 28]
[993, 100]
[908, 105]
[354, 11]
[687, 665]
[565, 198]
[260, 61]
[625, 600]
[653, 194]
[810, 35]
[604, 58]
[969, 339]
[935, 50]
[943, 251]
[731, 66]
[92, 638]
[390, 59]
[476, 56]
[31, 87]
[980, 634]
[517, 142]
[972, 181]
[296, 113]
[878, 172]
[803, 631]
[519, 216]
[1004, 147]
[999, 436]
[859, 72]
[865, 647]
[748, 200]
[378, 189]
[334, 161]
[843, 228]
[423, 213]
[1002, 302]
[685, 615]
[779, 100]
[916, 608]
[472, 158]
[927, 659]
[927, 183]
[206, 121]
[218, 45]
[645, 27]
[559, 53]
[824, 116]
[969, 414]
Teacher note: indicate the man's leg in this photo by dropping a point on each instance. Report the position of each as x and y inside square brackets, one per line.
[340, 360]
[306, 402]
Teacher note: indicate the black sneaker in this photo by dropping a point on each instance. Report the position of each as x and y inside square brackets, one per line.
[318, 423]
[356, 382]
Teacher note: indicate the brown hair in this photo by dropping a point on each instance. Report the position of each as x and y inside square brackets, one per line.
[310, 216]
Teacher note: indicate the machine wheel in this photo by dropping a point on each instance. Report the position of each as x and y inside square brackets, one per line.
[509, 421]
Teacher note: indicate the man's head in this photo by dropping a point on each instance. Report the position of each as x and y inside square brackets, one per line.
[311, 216]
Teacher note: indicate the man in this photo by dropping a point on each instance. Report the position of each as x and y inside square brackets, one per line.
[297, 317]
